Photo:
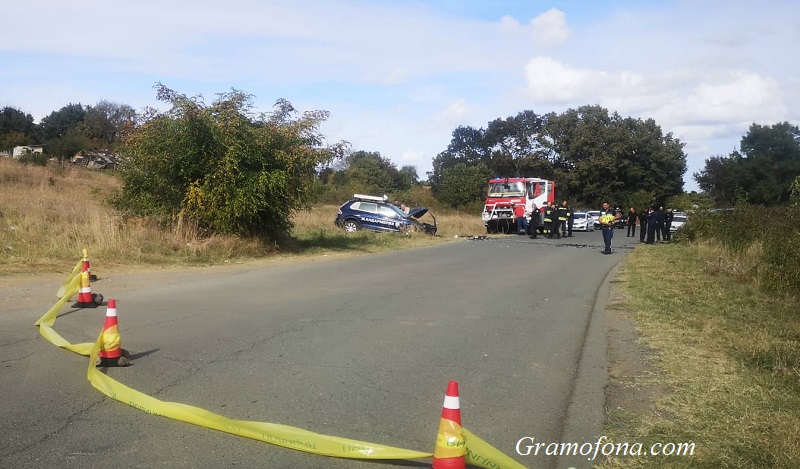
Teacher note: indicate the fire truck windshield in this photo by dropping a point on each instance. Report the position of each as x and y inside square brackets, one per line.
[506, 189]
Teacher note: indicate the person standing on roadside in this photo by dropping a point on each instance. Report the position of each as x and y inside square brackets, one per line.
[533, 225]
[652, 224]
[607, 218]
[668, 225]
[659, 223]
[570, 219]
[551, 221]
[563, 215]
[642, 224]
[519, 214]
[631, 222]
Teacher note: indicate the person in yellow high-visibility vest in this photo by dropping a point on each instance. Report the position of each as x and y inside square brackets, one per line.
[607, 218]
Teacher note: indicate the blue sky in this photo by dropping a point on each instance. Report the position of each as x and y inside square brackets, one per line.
[399, 76]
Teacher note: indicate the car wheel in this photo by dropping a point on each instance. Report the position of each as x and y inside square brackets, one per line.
[351, 226]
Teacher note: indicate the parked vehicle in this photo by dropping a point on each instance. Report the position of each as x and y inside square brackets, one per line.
[595, 214]
[678, 220]
[503, 193]
[377, 214]
[582, 221]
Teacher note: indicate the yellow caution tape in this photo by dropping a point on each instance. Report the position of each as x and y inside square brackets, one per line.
[449, 440]
[478, 452]
[78, 267]
[482, 454]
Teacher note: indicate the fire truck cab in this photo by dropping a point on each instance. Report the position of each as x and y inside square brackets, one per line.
[503, 193]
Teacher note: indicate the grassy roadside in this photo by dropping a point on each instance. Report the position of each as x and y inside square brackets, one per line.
[49, 214]
[727, 361]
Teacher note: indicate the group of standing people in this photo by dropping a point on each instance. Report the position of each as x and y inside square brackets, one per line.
[654, 225]
[556, 221]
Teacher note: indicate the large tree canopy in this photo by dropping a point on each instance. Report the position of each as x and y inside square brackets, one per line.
[591, 154]
[16, 128]
[222, 166]
[370, 172]
[507, 147]
[106, 121]
[602, 156]
[763, 170]
[59, 123]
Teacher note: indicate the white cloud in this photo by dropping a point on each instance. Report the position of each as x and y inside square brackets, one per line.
[745, 96]
[456, 113]
[550, 28]
[398, 77]
[547, 30]
[550, 81]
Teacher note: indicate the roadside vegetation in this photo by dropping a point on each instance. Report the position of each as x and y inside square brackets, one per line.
[50, 213]
[720, 313]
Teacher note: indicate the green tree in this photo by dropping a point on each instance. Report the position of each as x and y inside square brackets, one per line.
[720, 178]
[65, 146]
[106, 121]
[516, 146]
[463, 184]
[366, 171]
[409, 175]
[58, 123]
[221, 165]
[762, 170]
[16, 128]
[467, 146]
[602, 156]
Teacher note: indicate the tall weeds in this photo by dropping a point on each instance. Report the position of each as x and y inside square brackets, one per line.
[764, 243]
[49, 214]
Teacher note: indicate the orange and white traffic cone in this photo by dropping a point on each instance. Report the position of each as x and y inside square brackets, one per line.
[451, 449]
[88, 264]
[85, 297]
[111, 351]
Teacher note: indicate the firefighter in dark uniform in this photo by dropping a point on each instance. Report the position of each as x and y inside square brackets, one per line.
[561, 212]
[668, 225]
[570, 220]
[642, 224]
[551, 221]
[533, 225]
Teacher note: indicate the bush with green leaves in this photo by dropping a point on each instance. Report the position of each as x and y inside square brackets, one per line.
[232, 171]
[35, 159]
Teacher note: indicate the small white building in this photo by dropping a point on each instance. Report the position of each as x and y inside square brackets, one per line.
[25, 149]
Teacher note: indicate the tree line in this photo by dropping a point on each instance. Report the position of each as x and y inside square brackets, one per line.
[68, 130]
[235, 171]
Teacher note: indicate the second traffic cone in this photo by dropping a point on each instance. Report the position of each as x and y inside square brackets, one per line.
[111, 351]
[451, 449]
[88, 264]
[85, 298]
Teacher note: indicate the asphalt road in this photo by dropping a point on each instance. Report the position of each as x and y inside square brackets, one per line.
[360, 348]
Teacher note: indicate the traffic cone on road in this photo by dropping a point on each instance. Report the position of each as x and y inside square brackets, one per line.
[88, 264]
[111, 351]
[85, 297]
[451, 449]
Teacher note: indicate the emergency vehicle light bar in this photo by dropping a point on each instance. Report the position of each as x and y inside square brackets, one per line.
[371, 197]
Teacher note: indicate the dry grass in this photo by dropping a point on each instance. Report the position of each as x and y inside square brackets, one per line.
[729, 354]
[49, 214]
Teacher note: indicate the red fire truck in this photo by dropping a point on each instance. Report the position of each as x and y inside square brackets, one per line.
[498, 212]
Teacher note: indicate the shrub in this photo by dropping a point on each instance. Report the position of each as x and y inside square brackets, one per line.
[232, 172]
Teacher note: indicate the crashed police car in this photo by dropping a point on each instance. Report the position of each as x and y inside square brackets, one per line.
[377, 214]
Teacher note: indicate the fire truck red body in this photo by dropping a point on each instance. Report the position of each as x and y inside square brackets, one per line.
[498, 212]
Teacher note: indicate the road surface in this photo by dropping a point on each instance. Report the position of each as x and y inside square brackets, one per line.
[360, 348]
